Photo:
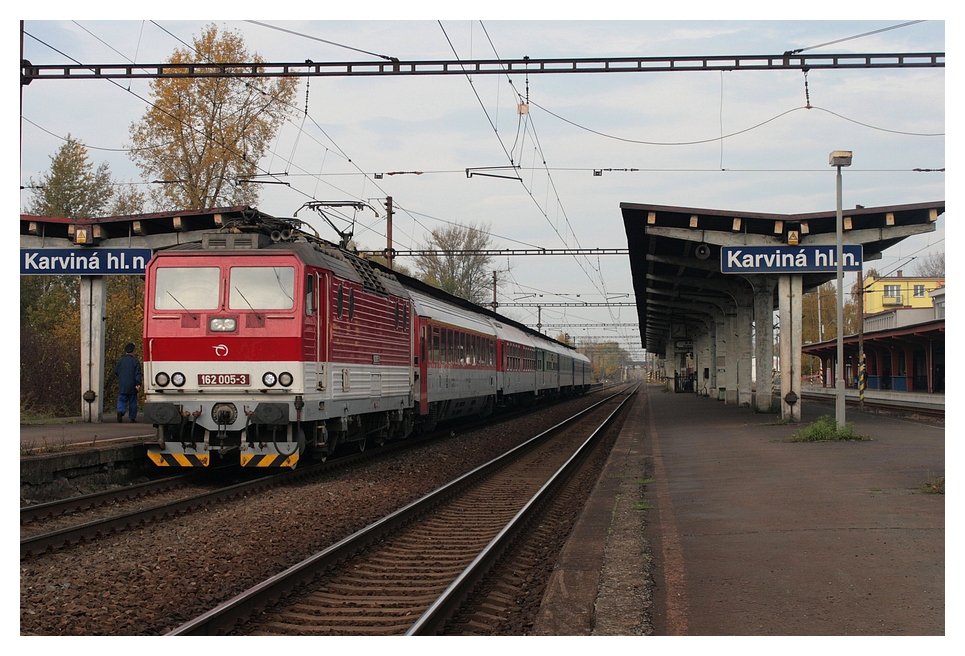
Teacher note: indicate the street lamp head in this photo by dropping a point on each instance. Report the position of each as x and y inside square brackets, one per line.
[840, 158]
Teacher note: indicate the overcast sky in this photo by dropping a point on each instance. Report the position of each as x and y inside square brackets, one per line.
[773, 156]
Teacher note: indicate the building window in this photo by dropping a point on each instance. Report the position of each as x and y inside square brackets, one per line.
[919, 291]
[892, 291]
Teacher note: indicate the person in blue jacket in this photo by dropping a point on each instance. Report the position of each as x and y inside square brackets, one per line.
[129, 377]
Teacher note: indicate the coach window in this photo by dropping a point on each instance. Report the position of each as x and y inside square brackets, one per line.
[262, 288]
[435, 344]
[310, 294]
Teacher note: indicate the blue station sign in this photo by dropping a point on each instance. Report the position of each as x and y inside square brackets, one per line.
[788, 259]
[84, 261]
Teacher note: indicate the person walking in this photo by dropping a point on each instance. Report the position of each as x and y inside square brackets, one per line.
[129, 377]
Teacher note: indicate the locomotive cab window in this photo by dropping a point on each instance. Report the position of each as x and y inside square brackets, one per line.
[186, 288]
[309, 295]
[261, 288]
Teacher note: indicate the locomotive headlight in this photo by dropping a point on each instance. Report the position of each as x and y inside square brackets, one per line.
[285, 379]
[222, 325]
[162, 379]
[178, 379]
[269, 379]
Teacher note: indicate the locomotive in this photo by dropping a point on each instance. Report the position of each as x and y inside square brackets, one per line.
[266, 345]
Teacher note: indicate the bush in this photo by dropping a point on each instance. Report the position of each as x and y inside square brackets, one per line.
[825, 429]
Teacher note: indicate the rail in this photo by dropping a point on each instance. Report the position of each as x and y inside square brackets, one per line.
[224, 617]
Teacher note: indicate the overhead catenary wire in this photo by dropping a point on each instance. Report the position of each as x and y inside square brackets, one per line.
[730, 135]
[856, 36]
[545, 167]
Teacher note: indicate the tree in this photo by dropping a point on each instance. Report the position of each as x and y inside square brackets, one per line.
[931, 266]
[72, 188]
[464, 275]
[49, 339]
[202, 135]
[606, 359]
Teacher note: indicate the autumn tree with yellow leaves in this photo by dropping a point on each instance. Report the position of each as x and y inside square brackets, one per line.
[203, 136]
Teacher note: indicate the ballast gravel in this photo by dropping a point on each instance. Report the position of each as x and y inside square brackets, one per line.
[150, 580]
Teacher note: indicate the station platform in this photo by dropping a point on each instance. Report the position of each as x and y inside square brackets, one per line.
[706, 522]
[67, 457]
[73, 432]
[916, 399]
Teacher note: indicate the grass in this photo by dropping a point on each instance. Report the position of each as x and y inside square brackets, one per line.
[825, 429]
[933, 484]
[46, 447]
[642, 504]
[645, 481]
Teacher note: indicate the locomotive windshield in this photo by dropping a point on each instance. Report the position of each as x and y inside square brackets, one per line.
[261, 288]
[194, 288]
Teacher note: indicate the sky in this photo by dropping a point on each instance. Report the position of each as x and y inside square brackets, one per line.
[738, 140]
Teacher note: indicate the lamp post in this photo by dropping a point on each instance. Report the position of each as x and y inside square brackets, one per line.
[838, 159]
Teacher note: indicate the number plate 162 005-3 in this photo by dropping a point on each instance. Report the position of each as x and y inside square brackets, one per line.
[223, 379]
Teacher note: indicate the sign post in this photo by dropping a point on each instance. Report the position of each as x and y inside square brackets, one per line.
[92, 265]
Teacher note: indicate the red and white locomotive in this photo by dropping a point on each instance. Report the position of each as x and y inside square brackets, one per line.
[274, 347]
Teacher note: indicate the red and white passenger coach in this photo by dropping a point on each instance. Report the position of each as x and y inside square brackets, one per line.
[266, 350]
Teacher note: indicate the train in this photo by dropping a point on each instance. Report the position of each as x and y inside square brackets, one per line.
[266, 346]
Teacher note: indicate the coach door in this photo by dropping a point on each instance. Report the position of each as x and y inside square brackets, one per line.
[422, 355]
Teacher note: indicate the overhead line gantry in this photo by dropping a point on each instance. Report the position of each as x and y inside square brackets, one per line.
[525, 65]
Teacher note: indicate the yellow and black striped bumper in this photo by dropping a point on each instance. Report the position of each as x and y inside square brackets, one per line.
[268, 460]
[179, 459]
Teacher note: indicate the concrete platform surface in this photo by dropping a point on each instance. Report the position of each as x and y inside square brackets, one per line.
[76, 433]
[745, 534]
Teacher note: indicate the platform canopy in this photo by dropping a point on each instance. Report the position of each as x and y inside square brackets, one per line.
[675, 253]
[155, 231]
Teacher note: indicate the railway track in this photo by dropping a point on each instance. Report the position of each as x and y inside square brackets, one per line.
[52, 509]
[409, 571]
[877, 405]
[49, 526]
[41, 541]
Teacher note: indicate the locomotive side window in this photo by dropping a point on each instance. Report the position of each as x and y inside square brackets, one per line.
[261, 288]
[351, 304]
[340, 302]
[186, 288]
[309, 295]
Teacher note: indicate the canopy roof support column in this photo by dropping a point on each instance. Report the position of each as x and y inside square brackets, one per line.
[745, 343]
[764, 340]
[789, 293]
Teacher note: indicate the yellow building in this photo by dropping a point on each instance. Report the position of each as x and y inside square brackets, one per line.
[883, 294]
